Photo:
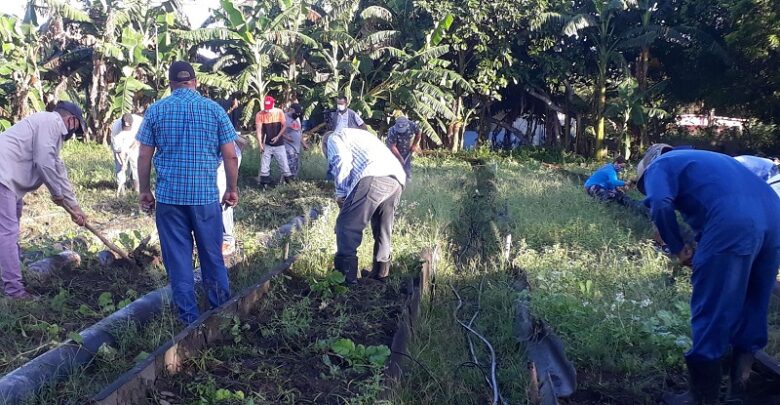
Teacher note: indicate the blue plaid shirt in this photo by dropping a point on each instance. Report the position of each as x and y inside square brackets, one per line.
[187, 130]
[354, 154]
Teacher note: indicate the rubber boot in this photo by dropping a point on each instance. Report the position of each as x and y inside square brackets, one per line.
[704, 380]
[289, 179]
[264, 181]
[739, 373]
[348, 266]
[379, 271]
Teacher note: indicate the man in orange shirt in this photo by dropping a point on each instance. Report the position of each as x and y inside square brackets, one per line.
[271, 124]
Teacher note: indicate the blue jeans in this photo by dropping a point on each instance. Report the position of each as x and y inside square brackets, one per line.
[177, 224]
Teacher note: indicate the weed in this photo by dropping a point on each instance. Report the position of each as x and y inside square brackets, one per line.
[236, 328]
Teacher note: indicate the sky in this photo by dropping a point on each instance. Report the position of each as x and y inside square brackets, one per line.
[197, 10]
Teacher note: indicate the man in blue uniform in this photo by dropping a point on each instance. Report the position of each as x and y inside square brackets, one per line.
[736, 217]
[604, 184]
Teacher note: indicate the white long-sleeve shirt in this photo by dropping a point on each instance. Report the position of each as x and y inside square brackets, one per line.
[30, 157]
[354, 154]
[124, 141]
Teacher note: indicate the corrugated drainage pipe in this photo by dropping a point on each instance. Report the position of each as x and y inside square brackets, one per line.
[60, 361]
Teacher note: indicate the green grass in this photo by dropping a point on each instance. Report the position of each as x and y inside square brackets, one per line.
[619, 306]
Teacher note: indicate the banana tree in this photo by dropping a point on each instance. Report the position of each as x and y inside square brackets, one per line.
[629, 108]
[248, 45]
[350, 38]
[596, 25]
[20, 71]
[418, 82]
[108, 36]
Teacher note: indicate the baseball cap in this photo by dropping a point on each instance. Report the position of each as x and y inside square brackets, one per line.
[127, 121]
[181, 71]
[269, 102]
[74, 110]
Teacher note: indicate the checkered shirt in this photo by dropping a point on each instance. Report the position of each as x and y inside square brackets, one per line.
[354, 154]
[187, 131]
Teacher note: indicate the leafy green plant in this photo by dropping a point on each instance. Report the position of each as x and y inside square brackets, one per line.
[106, 303]
[130, 240]
[330, 286]
[59, 301]
[358, 355]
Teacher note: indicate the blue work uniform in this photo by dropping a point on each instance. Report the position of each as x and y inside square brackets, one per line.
[605, 177]
[736, 218]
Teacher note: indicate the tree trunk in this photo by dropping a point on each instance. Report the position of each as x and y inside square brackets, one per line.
[579, 140]
[483, 122]
[600, 152]
[94, 95]
[642, 64]
[453, 129]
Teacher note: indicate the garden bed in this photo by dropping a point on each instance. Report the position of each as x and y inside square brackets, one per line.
[301, 345]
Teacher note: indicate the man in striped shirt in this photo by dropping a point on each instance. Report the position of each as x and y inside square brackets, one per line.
[188, 135]
[369, 181]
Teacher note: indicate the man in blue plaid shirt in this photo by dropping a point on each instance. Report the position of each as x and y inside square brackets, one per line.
[188, 135]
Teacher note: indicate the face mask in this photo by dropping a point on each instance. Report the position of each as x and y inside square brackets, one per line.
[342, 107]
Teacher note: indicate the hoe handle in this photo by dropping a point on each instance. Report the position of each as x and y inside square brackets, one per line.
[116, 249]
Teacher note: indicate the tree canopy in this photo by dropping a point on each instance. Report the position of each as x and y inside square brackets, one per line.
[594, 74]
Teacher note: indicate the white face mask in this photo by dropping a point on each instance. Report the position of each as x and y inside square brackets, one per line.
[341, 107]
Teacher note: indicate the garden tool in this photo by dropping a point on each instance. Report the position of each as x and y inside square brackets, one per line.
[114, 248]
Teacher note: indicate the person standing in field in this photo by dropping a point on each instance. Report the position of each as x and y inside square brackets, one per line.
[736, 216]
[125, 147]
[188, 135]
[344, 117]
[228, 222]
[29, 158]
[403, 139]
[293, 138]
[369, 181]
[271, 124]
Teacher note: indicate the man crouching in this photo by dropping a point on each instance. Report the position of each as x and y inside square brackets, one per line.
[369, 181]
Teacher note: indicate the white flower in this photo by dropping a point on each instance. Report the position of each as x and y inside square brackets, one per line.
[645, 303]
[620, 298]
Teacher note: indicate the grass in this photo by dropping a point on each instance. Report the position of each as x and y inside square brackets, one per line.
[596, 280]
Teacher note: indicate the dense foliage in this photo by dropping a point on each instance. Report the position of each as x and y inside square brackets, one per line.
[594, 74]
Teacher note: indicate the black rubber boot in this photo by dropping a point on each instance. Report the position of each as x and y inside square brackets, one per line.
[348, 266]
[704, 381]
[264, 181]
[379, 271]
[739, 373]
[289, 179]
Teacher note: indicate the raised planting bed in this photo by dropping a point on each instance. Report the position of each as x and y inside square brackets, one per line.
[307, 339]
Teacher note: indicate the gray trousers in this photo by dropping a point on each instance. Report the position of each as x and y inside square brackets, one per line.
[374, 200]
